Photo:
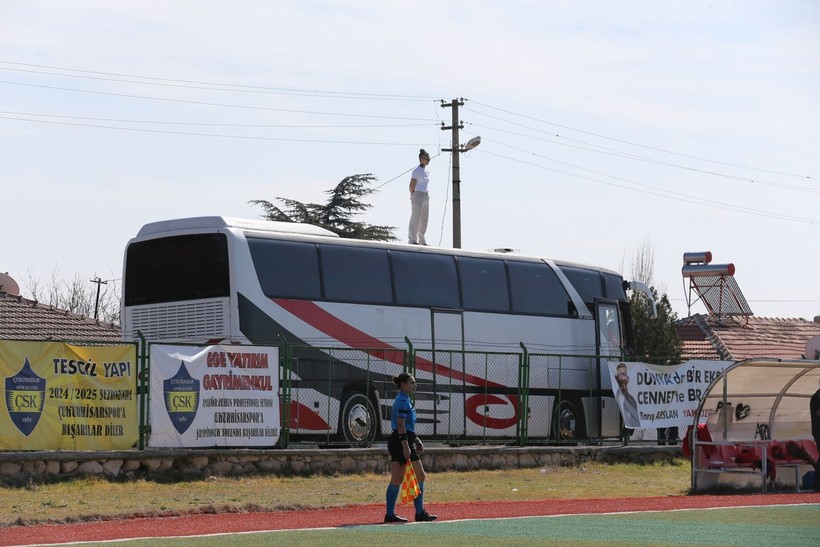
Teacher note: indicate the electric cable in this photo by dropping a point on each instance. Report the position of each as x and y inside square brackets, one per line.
[622, 141]
[687, 199]
[238, 87]
[206, 103]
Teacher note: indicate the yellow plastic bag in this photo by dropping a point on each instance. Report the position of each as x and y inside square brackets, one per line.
[409, 486]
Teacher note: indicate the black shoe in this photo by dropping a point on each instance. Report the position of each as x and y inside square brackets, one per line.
[424, 516]
[389, 519]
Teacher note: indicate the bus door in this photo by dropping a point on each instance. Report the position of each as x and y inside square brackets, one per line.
[609, 346]
[448, 374]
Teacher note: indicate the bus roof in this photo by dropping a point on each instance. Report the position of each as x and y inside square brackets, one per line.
[217, 222]
[262, 227]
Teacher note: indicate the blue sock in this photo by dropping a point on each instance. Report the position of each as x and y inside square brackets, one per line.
[392, 496]
[419, 501]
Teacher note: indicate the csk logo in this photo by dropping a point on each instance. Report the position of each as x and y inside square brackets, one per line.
[25, 398]
[181, 398]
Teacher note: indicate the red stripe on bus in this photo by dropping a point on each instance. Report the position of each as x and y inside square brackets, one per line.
[322, 320]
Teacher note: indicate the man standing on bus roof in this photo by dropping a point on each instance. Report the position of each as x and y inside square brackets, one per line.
[419, 200]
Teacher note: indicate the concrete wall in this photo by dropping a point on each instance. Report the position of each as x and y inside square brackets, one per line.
[22, 467]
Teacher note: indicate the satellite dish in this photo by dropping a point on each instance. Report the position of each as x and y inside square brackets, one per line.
[9, 285]
[472, 143]
[813, 348]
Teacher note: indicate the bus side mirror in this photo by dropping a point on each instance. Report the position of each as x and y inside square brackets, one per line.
[647, 292]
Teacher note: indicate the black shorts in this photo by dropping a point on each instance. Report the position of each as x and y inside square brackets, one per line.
[396, 451]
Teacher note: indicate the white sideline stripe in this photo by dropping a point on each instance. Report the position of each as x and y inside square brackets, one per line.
[637, 512]
[218, 534]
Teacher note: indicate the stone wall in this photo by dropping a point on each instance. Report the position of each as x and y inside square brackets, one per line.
[193, 464]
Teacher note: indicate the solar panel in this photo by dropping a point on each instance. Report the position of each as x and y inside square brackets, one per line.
[721, 295]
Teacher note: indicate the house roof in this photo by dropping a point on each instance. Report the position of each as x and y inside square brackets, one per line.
[738, 338]
[23, 319]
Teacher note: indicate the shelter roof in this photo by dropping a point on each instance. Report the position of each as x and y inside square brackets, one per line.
[771, 392]
[24, 319]
[738, 338]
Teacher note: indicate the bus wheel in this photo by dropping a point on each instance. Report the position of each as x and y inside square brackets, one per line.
[568, 421]
[357, 420]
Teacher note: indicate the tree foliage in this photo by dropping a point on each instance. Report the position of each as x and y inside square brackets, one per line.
[656, 340]
[344, 202]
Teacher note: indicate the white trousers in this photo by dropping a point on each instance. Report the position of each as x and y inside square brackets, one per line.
[419, 213]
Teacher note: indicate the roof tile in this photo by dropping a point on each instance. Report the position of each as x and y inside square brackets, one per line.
[748, 337]
[23, 319]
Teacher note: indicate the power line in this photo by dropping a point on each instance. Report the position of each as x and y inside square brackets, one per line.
[205, 103]
[193, 134]
[250, 125]
[237, 87]
[783, 301]
[401, 174]
[688, 199]
[704, 200]
[622, 141]
[446, 200]
[617, 153]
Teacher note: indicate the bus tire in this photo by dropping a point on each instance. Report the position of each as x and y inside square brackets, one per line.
[568, 421]
[358, 420]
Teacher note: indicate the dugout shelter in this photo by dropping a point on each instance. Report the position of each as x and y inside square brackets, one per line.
[757, 428]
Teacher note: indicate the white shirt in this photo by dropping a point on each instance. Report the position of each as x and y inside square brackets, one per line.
[422, 176]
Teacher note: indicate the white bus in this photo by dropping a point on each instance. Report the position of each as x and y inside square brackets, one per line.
[213, 279]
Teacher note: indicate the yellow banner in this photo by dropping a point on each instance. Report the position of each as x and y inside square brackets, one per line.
[58, 396]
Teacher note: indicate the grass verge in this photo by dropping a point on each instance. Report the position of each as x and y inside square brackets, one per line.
[91, 498]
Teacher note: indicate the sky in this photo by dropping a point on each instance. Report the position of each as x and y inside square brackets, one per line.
[605, 127]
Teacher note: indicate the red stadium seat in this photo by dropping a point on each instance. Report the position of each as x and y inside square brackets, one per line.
[811, 448]
[778, 453]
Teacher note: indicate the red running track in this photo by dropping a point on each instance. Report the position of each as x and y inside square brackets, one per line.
[189, 525]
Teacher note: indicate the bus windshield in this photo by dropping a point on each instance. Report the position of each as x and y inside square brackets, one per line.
[173, 269]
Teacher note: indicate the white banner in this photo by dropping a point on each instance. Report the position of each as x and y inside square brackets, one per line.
[653, 396]
[214, 396]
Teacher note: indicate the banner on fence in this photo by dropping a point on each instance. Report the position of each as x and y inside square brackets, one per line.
[652, 396]
[58, 396]
[214, 396]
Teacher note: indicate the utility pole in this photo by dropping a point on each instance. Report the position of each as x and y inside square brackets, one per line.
[456, 149]
[99, 282]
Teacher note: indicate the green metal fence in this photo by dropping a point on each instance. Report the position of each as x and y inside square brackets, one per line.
[342, 397]
[336, 396]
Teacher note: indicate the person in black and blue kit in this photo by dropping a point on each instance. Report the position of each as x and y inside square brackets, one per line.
[404, 445]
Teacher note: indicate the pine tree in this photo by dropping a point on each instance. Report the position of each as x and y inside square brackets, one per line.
[337, 214]
[655, 340]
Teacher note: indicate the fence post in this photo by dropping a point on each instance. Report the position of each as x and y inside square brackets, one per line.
[143, 386]
[522, 426]
[284, 388]
[409, 358]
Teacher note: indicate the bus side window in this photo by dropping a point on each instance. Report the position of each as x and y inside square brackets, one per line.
[356, 274]
[286, 269]
[587, 282]
[614, 286]
[483, 284]
[535, 289]
[425, 279]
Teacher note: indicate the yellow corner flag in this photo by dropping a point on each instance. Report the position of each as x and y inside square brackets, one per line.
[409, 486]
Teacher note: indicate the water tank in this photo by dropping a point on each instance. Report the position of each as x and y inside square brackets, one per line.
[9, 285]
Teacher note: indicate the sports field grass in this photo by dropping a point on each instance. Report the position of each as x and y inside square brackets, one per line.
[797, 525]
